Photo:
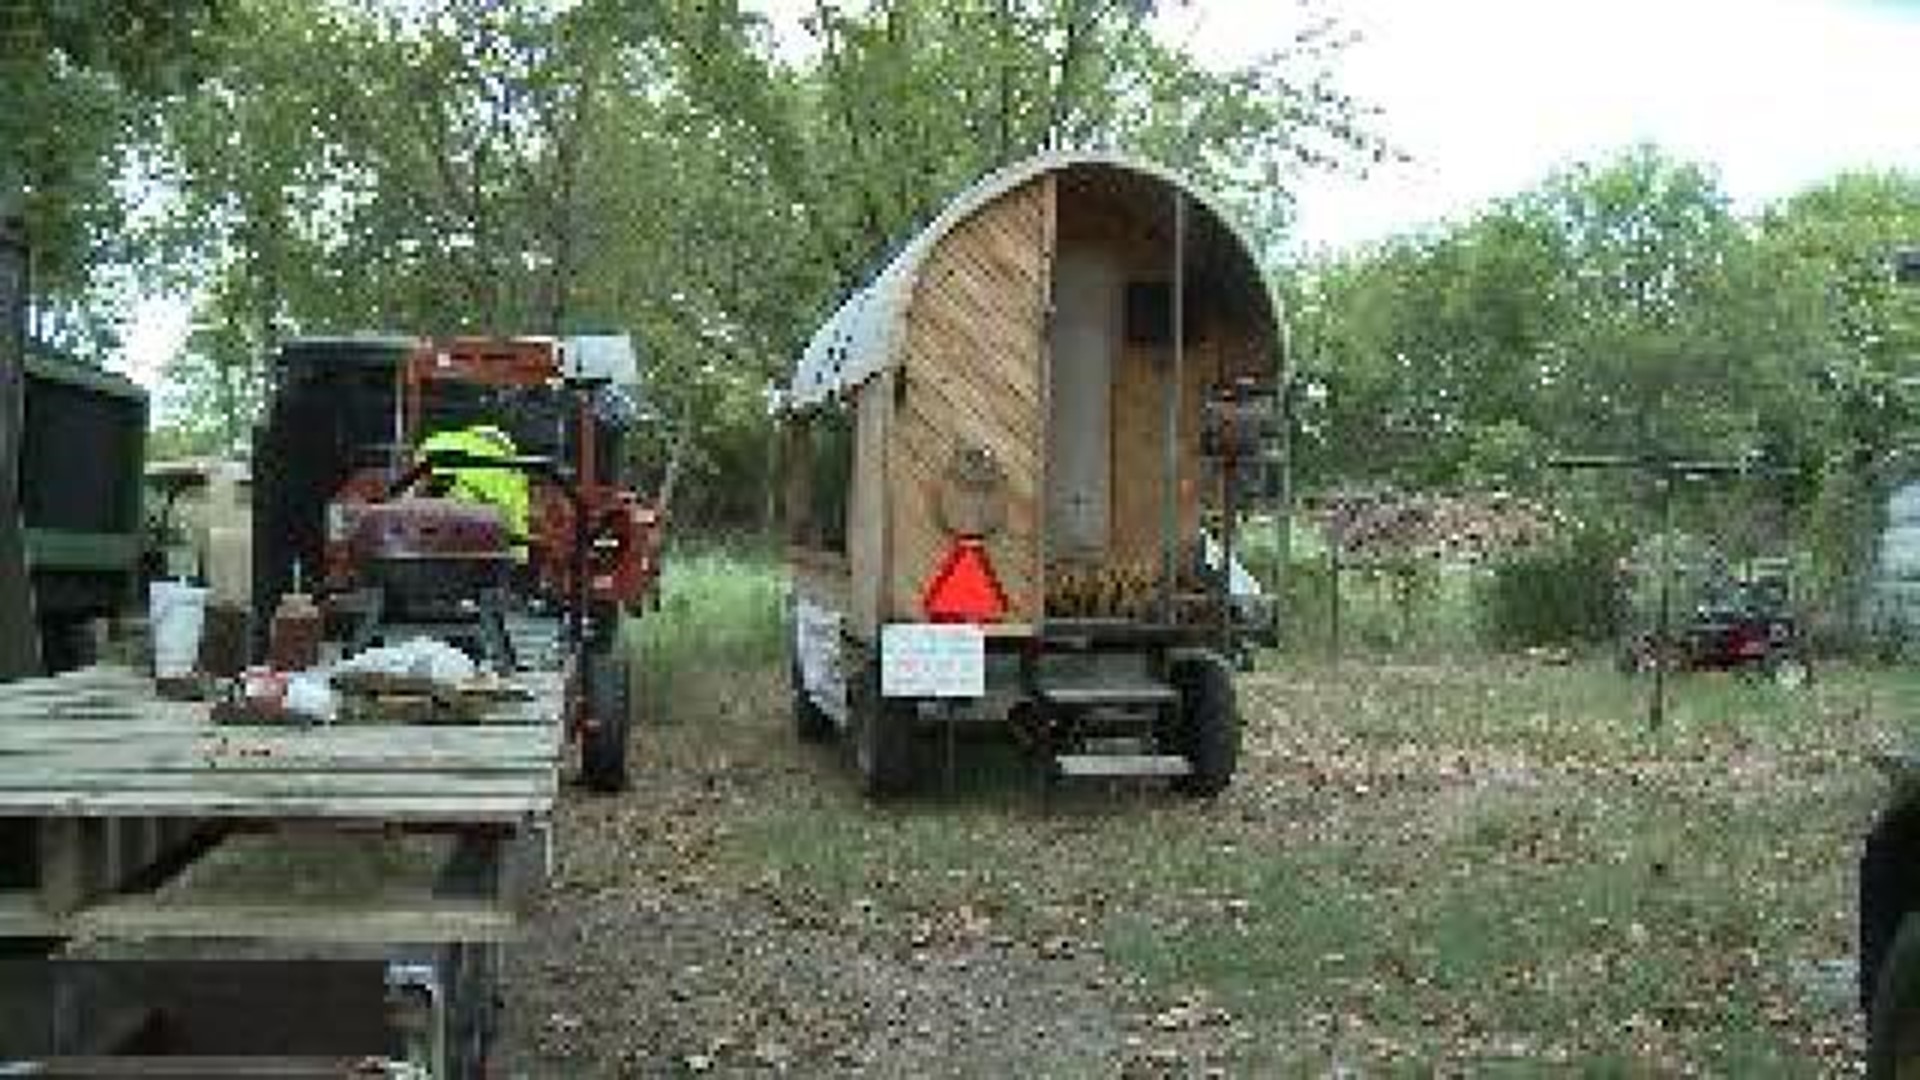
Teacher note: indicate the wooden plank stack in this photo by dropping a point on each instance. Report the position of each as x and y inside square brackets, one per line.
[110, 792]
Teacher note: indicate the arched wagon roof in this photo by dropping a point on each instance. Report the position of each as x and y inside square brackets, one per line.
[864, 335]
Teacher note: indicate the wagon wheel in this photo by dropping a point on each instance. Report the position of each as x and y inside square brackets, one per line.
[1893, 1019]
[810, 722]
[606, 694]
[1644, 653]
[1207, 731]
[1790, 671]
[1627, 661]
[1672, 656]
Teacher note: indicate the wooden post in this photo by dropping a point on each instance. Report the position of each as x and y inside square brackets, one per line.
[1333, 588]
[71, 870]
[1230, 475]
[1170, 512]
[1403, 597]
[19, 636]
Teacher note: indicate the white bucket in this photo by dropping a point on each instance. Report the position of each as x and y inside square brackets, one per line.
[176, 611]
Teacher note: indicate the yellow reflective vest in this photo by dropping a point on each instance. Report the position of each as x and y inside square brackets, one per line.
[502, 488]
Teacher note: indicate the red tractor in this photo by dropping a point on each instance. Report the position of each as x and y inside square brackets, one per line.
[352, 483]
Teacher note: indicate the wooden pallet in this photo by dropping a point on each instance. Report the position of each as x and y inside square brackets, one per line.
[109, 793]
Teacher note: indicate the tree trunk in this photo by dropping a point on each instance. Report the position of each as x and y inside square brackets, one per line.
[663, 503]
[226, 402]
[1065, 71]
[1003, 34]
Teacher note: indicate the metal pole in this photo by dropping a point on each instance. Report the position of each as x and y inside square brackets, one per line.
[1657, 708]
[398, 455]
[1170, 513]
[1333, 584]
[1230, 508]
[1283, 496]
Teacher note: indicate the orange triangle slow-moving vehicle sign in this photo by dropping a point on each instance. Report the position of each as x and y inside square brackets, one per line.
[964, 589]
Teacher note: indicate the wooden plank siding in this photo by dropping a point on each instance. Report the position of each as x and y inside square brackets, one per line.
[1140, 387]
[970, 367]
[866, 506]
[98, 744]
[973, 375]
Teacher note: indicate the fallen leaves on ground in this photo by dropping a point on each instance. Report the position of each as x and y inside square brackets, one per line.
[1419, 865]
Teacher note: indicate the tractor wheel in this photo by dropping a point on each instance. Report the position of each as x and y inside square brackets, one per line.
[1790, 671]
[882, 741]
[1207, 732]
[810, 722]
[66, 644]
[1643, 655]
[1628, 661]
[603, 746]
[1893, 1019]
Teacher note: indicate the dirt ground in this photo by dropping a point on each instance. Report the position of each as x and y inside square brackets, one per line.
[652, 956]
[741, 911]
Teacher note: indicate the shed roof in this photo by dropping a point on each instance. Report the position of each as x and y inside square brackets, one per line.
[862, 337]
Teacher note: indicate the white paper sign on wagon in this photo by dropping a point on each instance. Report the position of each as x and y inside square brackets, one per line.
[932, 660]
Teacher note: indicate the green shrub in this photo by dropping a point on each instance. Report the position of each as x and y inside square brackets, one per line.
[1563, 593]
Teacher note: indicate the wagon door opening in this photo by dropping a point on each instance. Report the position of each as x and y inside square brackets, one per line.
[1158, 317]
[1086, 346]
[1119, 389]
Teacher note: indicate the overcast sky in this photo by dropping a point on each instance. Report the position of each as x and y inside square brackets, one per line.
[1488, 96]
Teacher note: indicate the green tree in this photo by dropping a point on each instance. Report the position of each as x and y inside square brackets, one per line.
[71, 76]
[76, 82]
[658, 167]
[1832, 248]
[1847, 411]
[1616, 307]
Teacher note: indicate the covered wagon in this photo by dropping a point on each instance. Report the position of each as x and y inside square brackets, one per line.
[1015, 463]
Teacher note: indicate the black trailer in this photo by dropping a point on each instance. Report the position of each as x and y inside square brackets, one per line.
[83, 438]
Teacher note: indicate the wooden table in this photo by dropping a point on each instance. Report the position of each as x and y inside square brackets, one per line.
[126, 817]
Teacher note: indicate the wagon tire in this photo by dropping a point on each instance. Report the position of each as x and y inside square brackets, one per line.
[603, 745]
[1790, 672]
[1893, 1016]
[810, 722]
[882, 741]
[1207, 731]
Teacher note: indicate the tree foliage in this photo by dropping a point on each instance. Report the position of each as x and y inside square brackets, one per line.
[1623, 307]
[675, 169]
[665, 167]
[76, 80]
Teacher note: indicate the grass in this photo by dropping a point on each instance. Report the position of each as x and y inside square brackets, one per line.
[1600, 878]
[722, 608]
[1491, 867]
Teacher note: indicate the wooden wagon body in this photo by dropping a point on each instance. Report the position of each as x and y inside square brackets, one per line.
[1031, 373]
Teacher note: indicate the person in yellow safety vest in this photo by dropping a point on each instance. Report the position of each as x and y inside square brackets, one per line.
[503, 488]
